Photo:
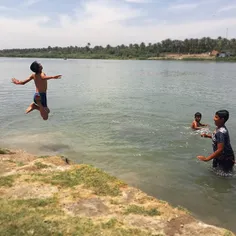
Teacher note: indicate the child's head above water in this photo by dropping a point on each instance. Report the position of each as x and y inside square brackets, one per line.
[36, 67]
[221, 117]
[198, 116]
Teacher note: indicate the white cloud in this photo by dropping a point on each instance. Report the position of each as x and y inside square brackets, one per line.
[138, 1]
[96, 13]
[4, 8]
[30, 2]
[101, 25]
[227, 8]
[181, 7]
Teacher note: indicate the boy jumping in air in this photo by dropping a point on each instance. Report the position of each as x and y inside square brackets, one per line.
[40, 96]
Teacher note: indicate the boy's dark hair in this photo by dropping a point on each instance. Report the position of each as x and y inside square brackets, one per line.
[35, 67]
[198, 114]
[223, 114]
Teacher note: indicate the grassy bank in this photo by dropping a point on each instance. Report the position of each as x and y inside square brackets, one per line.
[47, 196]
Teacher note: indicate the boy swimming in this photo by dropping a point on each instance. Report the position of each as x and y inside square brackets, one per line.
[40, 96]
[223, 154]
[196, 124]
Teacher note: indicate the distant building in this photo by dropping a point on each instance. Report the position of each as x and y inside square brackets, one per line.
[214, 53]
[223, 53]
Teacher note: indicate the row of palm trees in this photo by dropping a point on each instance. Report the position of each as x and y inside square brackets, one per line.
[203, 45]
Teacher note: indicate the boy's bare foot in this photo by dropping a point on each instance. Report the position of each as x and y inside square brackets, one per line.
[47, 109]
[31, 107]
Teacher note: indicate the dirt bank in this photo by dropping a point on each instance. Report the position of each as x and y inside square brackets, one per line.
[52, 196]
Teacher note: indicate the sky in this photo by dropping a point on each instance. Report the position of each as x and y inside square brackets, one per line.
[43, 23]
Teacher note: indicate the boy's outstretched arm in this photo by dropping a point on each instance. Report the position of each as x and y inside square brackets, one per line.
[16, 81]
[206, 135]
[220, 148]
[51, 77]
[205, 125]
[195, 127]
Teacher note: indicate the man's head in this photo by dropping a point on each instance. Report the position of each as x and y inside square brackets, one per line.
[221, 117]
[198, 116]
[36, 67]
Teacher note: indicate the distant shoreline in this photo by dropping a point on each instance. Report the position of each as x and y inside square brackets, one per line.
[164, 58]
[189, 49]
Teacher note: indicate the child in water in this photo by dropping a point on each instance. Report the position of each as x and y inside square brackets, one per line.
[196, 124]
[223, 154]
[40, 96]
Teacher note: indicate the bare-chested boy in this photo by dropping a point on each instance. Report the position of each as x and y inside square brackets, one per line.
[196, 124]
[40, 96]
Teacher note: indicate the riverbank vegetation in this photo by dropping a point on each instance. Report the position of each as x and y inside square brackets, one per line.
[188, 49]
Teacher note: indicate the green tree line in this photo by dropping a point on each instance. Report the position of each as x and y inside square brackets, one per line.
[139, 51]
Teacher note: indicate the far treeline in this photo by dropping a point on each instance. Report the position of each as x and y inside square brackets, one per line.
[132, 51]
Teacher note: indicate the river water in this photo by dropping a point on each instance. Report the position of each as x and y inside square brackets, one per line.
[132, 119]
